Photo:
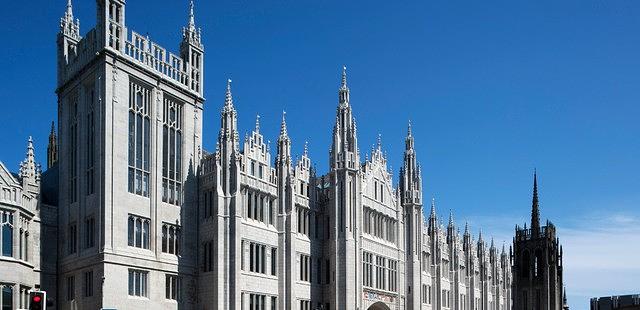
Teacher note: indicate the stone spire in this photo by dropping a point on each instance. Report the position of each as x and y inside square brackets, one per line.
[283, 126]
[535, 211]
[257, 123]
[190, 33]
[343, 93]
[67, 25]
[344, 150]
[52, 147]
[29, 170]
[565, 305]
[228, 98]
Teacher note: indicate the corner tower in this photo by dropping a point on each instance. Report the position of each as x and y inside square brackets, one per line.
[411, 201]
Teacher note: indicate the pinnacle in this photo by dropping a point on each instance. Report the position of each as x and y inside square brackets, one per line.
[343, 85]
[283, 125]
[228, 102]
[258, 123]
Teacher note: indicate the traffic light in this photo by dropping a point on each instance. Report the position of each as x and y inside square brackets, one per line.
[37, 300]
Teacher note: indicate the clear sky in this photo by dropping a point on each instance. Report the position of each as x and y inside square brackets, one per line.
[493, 88]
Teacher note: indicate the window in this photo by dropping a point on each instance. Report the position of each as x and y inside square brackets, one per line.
[71, 288]
[305, 268]
[381, 264]
[91, 139]
[88, 284]
[138, 231]
[274, 261]
[393, 275]
[6, 299]
[171, 151]
[303, 220]
[327, 271]
[6, 238]
[139, 139]
[138, 283]
[90, 232]
[257, 257]
[172, 287]
[274, 302]
[208, 254]
[305, 305]
[73, 238]
[257, 302]
[367, 269]
[73, 149]
[171, 239]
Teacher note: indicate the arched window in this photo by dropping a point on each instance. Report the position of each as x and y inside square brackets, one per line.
[6, 221]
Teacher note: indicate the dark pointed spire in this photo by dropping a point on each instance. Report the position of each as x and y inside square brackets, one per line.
[535, 211]
[52, 147]
[450, 218]
[466, 229]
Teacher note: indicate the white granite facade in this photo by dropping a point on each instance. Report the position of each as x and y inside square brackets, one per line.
[147, 219]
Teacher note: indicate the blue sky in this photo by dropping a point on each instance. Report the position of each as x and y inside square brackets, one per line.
[494, 89]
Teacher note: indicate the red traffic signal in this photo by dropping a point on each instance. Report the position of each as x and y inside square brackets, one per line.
[38, 300]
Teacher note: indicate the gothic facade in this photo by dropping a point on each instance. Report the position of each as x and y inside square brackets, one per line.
[146, 218]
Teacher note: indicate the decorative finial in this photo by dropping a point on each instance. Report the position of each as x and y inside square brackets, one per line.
[344, 78]
[433, 207]
[306, 149]
[409, 133]
[466, 228]
[69, 13]
[228, 98]
[379, 146]
[283, 125]
[450, 218]
[257, 123]
[192, 20]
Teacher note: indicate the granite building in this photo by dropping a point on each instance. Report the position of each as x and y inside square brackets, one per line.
[146, 218]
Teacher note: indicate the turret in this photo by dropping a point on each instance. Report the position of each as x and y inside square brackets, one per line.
[30, 171]
[410, 176]
[451, 229]
[68, 39]
[433, 221]
[52, 147]
[192, 52]
[344, 149]
[284, 146]
[228, 139]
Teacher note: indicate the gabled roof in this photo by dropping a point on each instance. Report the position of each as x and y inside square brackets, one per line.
[8, 178]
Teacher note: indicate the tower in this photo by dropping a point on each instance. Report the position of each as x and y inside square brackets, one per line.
[537, 263]
[129, 135]
[346, 181]
[411, 201]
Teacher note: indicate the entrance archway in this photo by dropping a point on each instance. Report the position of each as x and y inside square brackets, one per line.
[379, 306]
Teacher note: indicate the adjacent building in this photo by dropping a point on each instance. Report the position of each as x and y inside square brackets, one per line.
[620, 302]
[537, 264]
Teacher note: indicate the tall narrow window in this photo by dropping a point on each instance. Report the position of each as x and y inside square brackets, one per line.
[88, 284]
[171, 151]
[171, 239]
[90, 232]
[91, 139]
[274, 261]
[73, 238]
[71, 288]
[172, 287]
[6, 238]
[73, 150]
[138, 280]
[138, 232]
[139, 139]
